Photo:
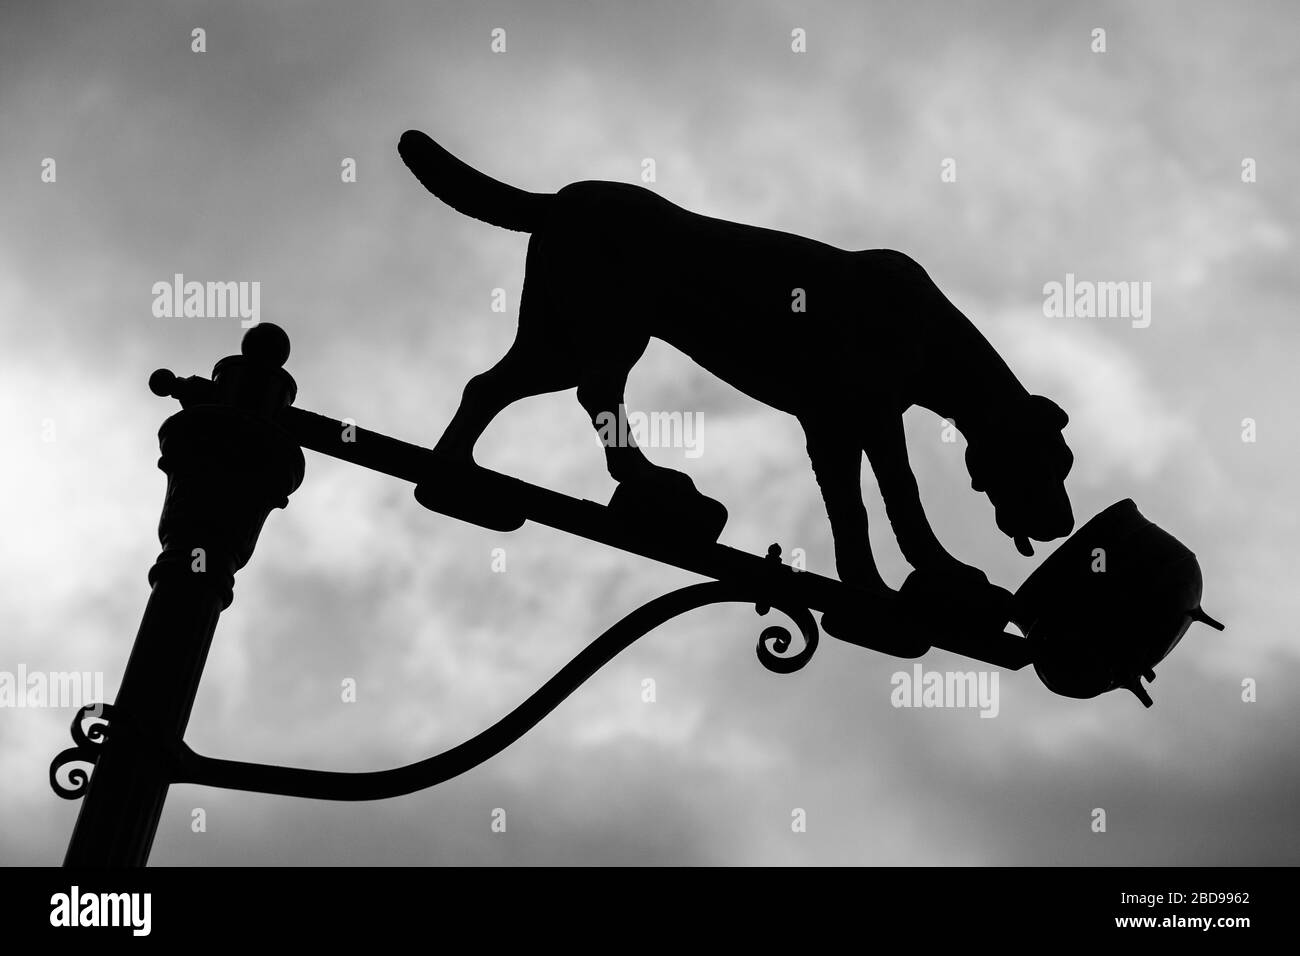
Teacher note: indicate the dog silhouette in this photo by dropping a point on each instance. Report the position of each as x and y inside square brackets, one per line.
[609, 265]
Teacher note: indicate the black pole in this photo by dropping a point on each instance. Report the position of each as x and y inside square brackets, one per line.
[228, 465]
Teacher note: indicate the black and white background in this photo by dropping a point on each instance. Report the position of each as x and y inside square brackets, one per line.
[225, 164]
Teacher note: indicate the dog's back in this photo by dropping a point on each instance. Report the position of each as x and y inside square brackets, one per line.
[752, 305]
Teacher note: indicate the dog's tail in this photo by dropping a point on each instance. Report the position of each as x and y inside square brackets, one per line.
[468, 191]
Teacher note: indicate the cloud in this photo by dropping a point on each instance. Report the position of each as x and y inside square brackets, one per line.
[225, 166]
[1117, 413]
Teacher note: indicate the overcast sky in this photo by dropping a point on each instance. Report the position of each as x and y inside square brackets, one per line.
[225, 165]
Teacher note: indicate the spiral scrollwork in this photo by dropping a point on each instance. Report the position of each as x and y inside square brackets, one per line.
[89, 740]
[775, 640]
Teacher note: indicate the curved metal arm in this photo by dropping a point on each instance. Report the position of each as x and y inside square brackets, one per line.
[327, 785]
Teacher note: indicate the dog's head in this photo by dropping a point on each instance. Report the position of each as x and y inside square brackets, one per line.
[1021, 463]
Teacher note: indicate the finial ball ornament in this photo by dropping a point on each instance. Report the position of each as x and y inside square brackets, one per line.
[162, 381]
[266, 343]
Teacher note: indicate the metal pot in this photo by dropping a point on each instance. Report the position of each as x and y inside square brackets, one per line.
[1109, 604]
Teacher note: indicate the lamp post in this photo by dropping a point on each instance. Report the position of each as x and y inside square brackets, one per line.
[234, 453]
[228, 466]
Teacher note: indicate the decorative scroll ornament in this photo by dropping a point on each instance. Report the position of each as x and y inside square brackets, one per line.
[89, 739]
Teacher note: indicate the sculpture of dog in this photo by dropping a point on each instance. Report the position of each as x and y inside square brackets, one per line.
[610, 265]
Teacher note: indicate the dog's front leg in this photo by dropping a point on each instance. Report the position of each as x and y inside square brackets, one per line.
[837, 465]
[942, 587]
[886, 447]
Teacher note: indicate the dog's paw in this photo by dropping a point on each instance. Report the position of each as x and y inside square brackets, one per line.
[956, 596]
[874, 618]
[463, 490]
[665, 503]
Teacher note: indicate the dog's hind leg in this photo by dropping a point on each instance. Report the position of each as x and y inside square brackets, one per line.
[600, 393]
[648, 496]
[524, 370]
[533, 365]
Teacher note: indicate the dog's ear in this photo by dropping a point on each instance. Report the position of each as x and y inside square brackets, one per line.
[1047, 413]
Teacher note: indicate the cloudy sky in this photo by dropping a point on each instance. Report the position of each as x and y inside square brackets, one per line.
[225, 165]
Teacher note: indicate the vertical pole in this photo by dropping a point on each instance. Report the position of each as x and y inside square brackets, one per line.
[228, 466]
